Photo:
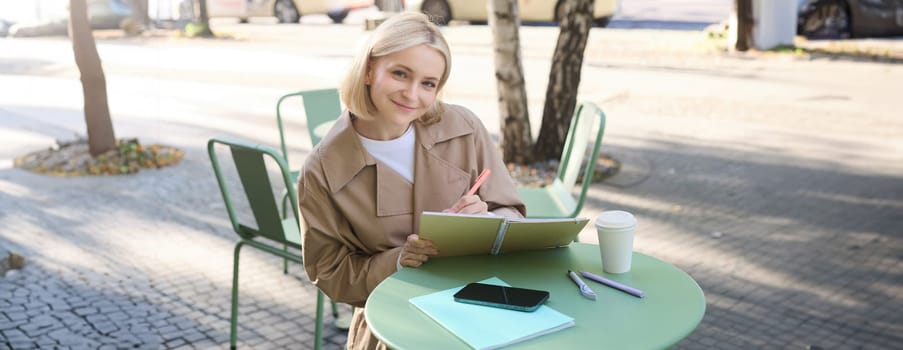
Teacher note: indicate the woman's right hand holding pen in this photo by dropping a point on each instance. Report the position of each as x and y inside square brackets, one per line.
[470, 202]
[416, 251]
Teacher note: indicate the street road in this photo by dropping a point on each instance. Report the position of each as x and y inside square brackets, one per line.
[699, 11]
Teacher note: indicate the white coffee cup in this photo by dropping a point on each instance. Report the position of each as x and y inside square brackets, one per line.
[616, 229]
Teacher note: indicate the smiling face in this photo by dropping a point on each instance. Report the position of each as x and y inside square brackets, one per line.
[403, 85]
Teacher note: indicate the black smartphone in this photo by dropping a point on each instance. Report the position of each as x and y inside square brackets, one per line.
[512, 298]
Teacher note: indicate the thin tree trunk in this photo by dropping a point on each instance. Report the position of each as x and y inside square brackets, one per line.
[203, 20]
[94, 86]
[509, 73]
[139, 13]
[745, 22]
[389, 5]
[564, 79]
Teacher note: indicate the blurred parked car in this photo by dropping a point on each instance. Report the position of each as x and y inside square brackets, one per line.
[443, 11]
[823, 19]
[286, 11]
[51, 17]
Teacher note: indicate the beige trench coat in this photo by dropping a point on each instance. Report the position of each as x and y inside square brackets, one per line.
[358, 212]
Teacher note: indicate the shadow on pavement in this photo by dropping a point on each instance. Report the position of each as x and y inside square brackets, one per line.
[142, 260]
[806, 252]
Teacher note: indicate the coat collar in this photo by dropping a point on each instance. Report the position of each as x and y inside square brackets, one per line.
[344, 156]
[451, 125]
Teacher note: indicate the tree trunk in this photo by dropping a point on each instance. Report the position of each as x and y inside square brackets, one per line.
[564, 79]
[509, 73]
[139, 14]
[389, 5]
[745, 22]
[205, 18]
[202, 27]
[94, 86]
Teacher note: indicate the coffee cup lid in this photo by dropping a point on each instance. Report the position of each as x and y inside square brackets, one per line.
[615, 219]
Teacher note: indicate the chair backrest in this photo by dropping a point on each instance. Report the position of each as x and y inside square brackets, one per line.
[580, 136]
[251, 166]
[321, 108]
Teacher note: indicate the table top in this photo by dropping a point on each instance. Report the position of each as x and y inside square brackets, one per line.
[672, 308]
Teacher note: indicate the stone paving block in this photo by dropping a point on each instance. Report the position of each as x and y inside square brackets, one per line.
[160, 323]
[106, 327]
[170, 332]
[45, 343]
[34, 330]
[35, 312]
[15, 307]
[96, 318]
[6, 325]
[16, 316]
[14, 334]
[65, 337]
[117, 316]
[76, 303]
[22, 344]
[193, 336]
[147, 339]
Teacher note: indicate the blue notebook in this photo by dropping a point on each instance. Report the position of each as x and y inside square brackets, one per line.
[484, 327]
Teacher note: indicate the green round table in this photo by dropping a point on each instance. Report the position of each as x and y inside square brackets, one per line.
[671, 309]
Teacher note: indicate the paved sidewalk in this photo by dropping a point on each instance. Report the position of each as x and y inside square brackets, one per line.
[780, 192]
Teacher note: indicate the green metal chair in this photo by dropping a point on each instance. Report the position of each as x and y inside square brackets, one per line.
[321, 108]
[272, 227]
[557, 200]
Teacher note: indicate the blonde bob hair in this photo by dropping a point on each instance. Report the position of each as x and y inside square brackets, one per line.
[399, 32]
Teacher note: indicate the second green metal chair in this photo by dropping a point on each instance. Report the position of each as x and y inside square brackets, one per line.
[557, 200]
[271, 227]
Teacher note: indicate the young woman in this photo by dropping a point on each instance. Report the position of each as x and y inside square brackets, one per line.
[395, 152]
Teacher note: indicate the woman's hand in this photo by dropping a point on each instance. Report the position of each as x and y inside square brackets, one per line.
[416, 251]
[471, 204]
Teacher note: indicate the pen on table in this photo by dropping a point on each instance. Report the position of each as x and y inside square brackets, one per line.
[584, 289]
[624, 288]
[479, 181]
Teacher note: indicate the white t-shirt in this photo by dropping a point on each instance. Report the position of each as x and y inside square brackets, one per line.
[397, 154]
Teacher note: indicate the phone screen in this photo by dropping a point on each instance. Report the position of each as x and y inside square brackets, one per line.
[513, 298]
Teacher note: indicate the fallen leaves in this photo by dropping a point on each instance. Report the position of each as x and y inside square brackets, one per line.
[74, 159]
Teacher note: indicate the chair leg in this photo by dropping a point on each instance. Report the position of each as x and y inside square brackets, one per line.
[233, 324]
[318, 321]
[285, 246]
[343, 322]
[285, 260]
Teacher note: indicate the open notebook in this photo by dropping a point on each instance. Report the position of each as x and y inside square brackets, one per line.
[484, 327]
[462, 234]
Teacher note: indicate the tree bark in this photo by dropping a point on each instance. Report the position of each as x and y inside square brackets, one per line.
[94, 86]
[745, 22]
[139, 14]
[564, 79]
[389, 5]
[509, 74]
[203, 21]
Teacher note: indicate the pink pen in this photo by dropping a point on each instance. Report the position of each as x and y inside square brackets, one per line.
[480, 179]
